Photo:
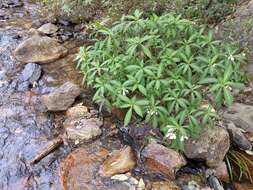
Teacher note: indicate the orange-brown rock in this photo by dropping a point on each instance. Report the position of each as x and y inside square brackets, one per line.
[79, 171]
[161, 159]
[121, 161]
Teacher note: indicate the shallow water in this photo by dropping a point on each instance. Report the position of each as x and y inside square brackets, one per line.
[24, 128]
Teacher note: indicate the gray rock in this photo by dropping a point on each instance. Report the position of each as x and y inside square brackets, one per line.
[38, 49]
[211, 146]
[238, 137]
[11, 3]
[241, 115]
[31, 73]
[48, 28]
[61, 98]
[215, 183]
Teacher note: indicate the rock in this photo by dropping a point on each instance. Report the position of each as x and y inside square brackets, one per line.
[206, 188]
[241, 115]
[121, 186]
[30, 73]
[80, 126]
[141, 185]
[79, 170]
[214, 183]
[77, 111]
[33, 32]
[164, 185]
[83, 130]
[120, 177]
[39, 49]
[119, 162]
[11, 3]
[238, 137]
[161, 159]
[188, 180]
[222, 172]
[48, 28]
[61, 98]
[211, 146]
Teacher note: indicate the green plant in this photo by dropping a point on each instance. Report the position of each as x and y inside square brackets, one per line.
[162, 69]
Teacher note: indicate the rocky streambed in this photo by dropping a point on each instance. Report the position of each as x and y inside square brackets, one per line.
[53, 138]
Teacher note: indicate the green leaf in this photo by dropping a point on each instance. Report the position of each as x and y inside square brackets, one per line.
[146, 51]
[128, 117]
[142, 89]
[208, 81]
[138, 110]
[228, 97]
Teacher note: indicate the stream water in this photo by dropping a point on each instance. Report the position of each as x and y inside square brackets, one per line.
[24, 127]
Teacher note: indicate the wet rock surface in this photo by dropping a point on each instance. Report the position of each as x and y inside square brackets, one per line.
[211, 146]
[24, 129]
[38, 49]
[61, 98]
[161, 159]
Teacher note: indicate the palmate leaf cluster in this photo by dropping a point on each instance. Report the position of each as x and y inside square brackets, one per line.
[162, 69]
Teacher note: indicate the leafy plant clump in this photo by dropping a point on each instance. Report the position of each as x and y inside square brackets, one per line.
[162, 69]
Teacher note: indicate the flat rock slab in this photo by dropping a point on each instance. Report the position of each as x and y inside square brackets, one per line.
[48, 28]
[62, 97]
[38, 49]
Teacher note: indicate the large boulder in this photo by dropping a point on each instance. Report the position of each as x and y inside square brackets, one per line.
[48, 28]
[121, 161]
[38, 49]
[241, 115]
[160, 159]
[211, 146]
[61, 98]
